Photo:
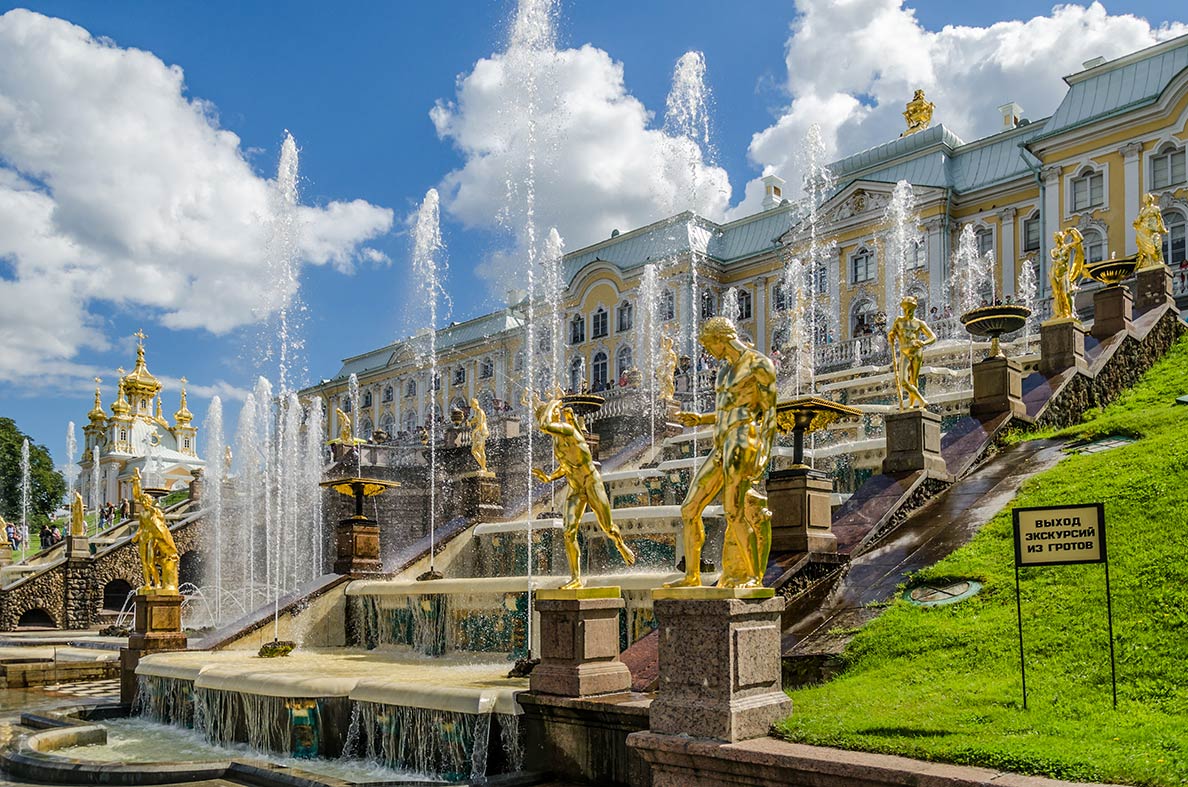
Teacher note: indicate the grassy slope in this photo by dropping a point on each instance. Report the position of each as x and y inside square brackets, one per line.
[943, 683]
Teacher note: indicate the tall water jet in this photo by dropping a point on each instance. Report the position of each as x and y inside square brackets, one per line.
[554, 293]
[428, 261]
[730, 304]
[71, 470]
[216, 469]
[281, 296]
[96, 493]
[648, 340]
[973, 279]
[26, 490]
[818, 184]
[901, 240]
[1027, 288]
[354, 413]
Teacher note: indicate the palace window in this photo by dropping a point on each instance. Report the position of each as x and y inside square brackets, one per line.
[388, 423]
[388, 393]
[486, 369]
[917, 254]
[623, 316]
[576, 369]
[436, 381]
[367, 398]
[599, 375]
[779, 299]
[707, 305]
[367, 429]
[667, 306]
[1173, 239]
[1031, 233]
[744, 305]
[1167, 168]
[863, 266]
[821, 279]
[410, 422]
[1094, 246]
[411, 388]
[1088, 191]
[985, 237]
[623, 360]
[546, 343]
[577, 329]
[459, 375]
[518, 365]
[346, 405]
[598, 324]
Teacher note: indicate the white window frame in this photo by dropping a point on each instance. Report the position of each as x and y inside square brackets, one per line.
[1165, 160]
[871, 265]
[1084, 172]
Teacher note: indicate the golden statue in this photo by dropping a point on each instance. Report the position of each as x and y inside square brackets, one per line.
[346, 435]
[1149, 230]
[4, 542]
[918, 114]
[1068, 266]
[136, 487]
[78, 526]
[576, 464]
[744, 421]
[227, 458]
[912, 335]
[158, 552]
[666, 369]
[479, 432]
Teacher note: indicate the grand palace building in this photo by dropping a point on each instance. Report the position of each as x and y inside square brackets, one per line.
[1119, 133]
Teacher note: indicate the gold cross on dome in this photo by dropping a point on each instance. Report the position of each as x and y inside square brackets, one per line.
[98, 380]
[184, 381]
[140, 335]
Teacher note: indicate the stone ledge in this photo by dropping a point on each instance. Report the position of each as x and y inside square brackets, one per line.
[678, 761]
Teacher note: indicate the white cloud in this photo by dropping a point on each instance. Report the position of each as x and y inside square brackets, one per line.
[600, 162]
[853, 64]
[116, 187]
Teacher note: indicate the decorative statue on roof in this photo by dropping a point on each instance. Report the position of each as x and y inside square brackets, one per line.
[1068, 266]
[666, 369]
[576, 465]
[78, 526]
[744, 420]
[1149, 230]
[479, 432]
[918, 114]
[157, 550]
[912, 335]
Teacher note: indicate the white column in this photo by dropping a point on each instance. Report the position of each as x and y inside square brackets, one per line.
[332, 410]
[935, 262]
[1051, 177]
[835, 276]
[1132, 198]
[759, 309]
[1006, 249]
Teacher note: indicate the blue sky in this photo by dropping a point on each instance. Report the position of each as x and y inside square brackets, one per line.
[355, 85]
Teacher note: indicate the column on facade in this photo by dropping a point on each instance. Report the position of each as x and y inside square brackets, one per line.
[1006, 245]
[1051, 176]
[397, 400]
[759, 311]
[332, 420]
[835, 274]
[686, 315]
[1132, 197]
[935, 261]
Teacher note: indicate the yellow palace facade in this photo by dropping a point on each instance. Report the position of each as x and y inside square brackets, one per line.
[1120, 132]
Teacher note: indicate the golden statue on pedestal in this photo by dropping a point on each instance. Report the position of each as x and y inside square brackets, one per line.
[744, 420]
[1149, 230]
[666, 370]
[479, 432]
[912, 335]
[346, 432]
[158, 552]
[918, 114]
[78, 525]
[1068, 266]
[576, 465]
[4, 542]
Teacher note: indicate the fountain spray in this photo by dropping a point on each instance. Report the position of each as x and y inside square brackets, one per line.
[70, 470]
[96, 492]
[26, 490]
[902, 236]
[212, 429]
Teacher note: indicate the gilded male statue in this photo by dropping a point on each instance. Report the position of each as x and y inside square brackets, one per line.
[912, 335]
[346, 432]
[1149, 230]
[744, 425]
[666, 369]
[576, 465]
[1068, 266]
[479, 432]
[78, 526]
[156, 548]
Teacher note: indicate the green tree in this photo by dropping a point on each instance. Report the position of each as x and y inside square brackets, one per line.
[46, 486]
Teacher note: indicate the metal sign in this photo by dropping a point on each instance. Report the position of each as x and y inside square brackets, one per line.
[1062, 536]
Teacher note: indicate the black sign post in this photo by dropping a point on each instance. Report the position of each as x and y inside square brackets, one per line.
[1061, 536]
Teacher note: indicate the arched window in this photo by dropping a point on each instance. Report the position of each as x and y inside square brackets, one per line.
[436, 381]
[744, 304]
[410, 422]
[388, 423]
[411, 388]
[1167, 167]
[985, 238]
[623, 317]
[1087, 190]
[486, 369]
[1173, 239]
[708, 307]
[576, 371]
[346, 404]
[622, 361]
[862, 318]
[667, 305]
[367, 398]
[388, 393]
[599, 371]
[459, 375]
[863, 266]
[599, 325]
[577, 329]
[366, 428]
[1094, 245]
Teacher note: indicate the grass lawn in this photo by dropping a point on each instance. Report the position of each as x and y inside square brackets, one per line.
[943, 683]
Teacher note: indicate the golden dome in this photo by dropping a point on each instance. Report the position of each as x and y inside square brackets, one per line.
[183, 416]
[121, 406]
[140, 382]
[97, 414]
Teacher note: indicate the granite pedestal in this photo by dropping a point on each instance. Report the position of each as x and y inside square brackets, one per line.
[357, 541]
[156, 628]
[78, 546]
[1113, 308]
[801, 511]
[480, 495]
[1062, 346]
[719, 657]
[5, 555]
[997, 388]
[579, 643]
[913, 443]
[1153, 288]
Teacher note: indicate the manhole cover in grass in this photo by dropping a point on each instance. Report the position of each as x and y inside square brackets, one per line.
[947, 593]
[1103, 444]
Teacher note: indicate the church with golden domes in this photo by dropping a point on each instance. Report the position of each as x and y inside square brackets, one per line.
[137, 436]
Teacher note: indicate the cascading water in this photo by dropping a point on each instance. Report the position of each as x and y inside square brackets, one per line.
[71, 470]
[215, 475]
[901, 239]
[355, 414]
[27, 489]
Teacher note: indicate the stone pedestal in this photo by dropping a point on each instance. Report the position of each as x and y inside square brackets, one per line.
[480, 496]
[78, 547]
[719, 653]
[801, 511]
[1062, 346]
[357, 546]
[5, 555]
[1112, 310]
[156, 628]
[997, 387]
[1153, 288]
[579, 643]
[913, 443]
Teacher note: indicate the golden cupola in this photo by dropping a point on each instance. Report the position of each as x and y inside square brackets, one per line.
[120, 408]
[97, 415]
[140, 384]
[183, 416]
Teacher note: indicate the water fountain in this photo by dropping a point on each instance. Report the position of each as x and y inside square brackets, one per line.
[96, 497]
[26, 489]
[71, 470]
